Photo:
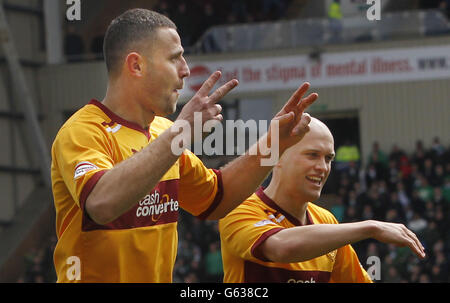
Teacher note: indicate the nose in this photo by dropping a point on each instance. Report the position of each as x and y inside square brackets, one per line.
[184, 71]
[321, 165]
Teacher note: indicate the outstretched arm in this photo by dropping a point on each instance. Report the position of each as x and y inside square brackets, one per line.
[243, 175]
[303, 243]
[120, 188]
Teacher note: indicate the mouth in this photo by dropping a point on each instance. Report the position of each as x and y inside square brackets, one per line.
[178, 88]
[315, 180]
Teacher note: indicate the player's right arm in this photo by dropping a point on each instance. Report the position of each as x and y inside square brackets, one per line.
[121, 187]
[303, 243]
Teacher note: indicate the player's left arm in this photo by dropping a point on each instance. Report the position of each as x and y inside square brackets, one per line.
[243, 175]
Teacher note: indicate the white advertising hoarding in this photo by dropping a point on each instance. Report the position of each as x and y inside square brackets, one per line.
[333, 69]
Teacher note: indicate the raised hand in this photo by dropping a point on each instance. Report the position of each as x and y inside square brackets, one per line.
[293, 122]
[204, 103]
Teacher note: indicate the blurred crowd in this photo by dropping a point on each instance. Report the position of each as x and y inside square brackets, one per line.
[193, 18]
[412, 189]
[39, 263]
[199, 258]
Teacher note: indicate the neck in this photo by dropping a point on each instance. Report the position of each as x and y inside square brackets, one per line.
[121, 101]
[291, 202]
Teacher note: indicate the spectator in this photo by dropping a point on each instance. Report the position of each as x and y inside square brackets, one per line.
[445, 7]
[372, 175]
[402, 195]
[377, 156]
[214, 267]
[393, 276]
[73, 45]
[367, 213]
[180, 270]
[446, 190]
[345, 154]
[191, 278]
[396, 205]
[338, 209]
[162, 7]
[396, 153]
[353, 172]
[239, 10]
[441, 219]
[437, 178]
[406, 169]
[438, 198]
[415, 273]
[393, 174]
[417, 224]
[437, 148]
[209, 43]
[430, 234]
[418, 156]
[335, 18]
[424, 278]
[428, 171]
[429, 210]
[437, 274]
[417, 203]
[274, 9]
[428, 4]
[424, 189]
[184, 24]
[446, 162]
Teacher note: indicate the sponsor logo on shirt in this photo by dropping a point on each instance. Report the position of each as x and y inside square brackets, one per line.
[155, 205]
[301, 281]
[260, 273]
[332, 255]
[82, 168]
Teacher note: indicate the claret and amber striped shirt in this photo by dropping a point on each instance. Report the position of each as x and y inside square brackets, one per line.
[140, 245]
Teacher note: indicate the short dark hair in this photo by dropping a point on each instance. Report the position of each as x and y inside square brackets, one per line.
[127, 30]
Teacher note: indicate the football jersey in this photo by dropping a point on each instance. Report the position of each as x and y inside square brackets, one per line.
[256, 219]
[141, 244]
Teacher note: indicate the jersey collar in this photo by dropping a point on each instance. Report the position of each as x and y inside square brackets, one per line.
[115, 118]
[269, 202]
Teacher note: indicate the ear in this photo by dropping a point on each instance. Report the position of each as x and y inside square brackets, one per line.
[134, 64]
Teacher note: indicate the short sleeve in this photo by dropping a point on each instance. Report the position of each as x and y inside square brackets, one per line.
[81, 154]
[200, 189]
[244, 229]
[347, 268]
